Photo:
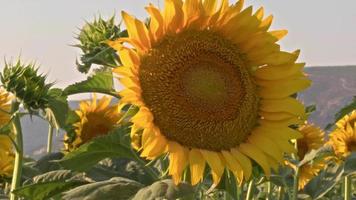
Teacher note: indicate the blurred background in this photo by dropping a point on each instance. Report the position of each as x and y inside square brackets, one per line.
[43, 31]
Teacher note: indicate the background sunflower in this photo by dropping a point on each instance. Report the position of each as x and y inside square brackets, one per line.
[95, 118]
[343, 138]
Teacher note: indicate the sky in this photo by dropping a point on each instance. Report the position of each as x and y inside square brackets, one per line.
[43, 30]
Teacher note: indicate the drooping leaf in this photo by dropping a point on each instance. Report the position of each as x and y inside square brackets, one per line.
[101, 82]
[47, 185]
[164, 189]
[91, 153]
[46, 164]
[117, 188]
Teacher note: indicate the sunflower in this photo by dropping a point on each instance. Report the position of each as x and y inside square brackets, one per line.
[313, 138]
[7, 157]
[212, 86]
[6, 151]
[95, 119]
[343, 138]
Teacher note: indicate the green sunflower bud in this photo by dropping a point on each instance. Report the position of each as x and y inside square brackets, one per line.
[25, 82]
[92, 41]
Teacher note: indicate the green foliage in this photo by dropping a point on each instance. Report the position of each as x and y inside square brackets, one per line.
[117, 188]
[25, 82]
[165, 189]
[92, 41]
[324, 182]
[96, 150]
[57, 108]
[101, 82]
[49, 184]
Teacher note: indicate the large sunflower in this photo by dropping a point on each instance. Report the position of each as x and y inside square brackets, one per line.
[212, 86]
[343, 138]
[95, 119]
[313, 138]
[6, 150]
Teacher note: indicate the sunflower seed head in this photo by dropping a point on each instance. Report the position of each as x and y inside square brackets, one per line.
[92, 41]
[27, 84]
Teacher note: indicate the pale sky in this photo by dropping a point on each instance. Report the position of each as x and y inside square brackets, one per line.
[42, 30]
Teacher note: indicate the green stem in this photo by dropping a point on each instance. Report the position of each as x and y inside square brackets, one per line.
[295, 184]
[269, 190]
[347, 195]
[17, 174]
[249, 194]
[280, 193]
[49, 139]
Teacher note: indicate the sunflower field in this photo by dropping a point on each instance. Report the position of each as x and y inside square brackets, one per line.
[197, 101]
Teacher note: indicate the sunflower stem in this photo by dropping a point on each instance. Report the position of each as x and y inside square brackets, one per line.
[49, 139]
[269, 190]
[295, 184]
[250, 188]
[280, 193]
[17, 173]
[347, 184]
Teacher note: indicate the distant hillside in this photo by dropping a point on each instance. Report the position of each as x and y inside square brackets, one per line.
[332, 88]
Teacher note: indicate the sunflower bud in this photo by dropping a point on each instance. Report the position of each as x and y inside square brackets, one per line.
[29, 87]
[92, 41]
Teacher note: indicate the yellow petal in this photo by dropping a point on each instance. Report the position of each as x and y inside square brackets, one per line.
[215, 163]
[154, 147]
[178, 159]
[254, 153]
[137, 30]
[233, 165]
[244, 162]
[173, 15]
[288, 105]
[266, 145]
[284, 89]
[266, 23]
[197, 166]
[278, 58]
[156, 23]
[278, 72]
[209, 6]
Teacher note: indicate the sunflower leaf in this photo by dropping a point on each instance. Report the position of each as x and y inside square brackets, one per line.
[89, 154]
[57, 109]
[114, 189]
[165, 189]
[49, 184]
[100, 82]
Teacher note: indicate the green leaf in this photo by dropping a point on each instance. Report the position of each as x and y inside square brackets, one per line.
[48, 185]
[57, 109]
[89, 154]
[101, 82]
[164, 189]
[350, 164]
[114, 189]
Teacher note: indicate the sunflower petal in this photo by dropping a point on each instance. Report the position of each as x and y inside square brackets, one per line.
[254, 153]
[215, 163]
[137, 30]
[197, 166]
